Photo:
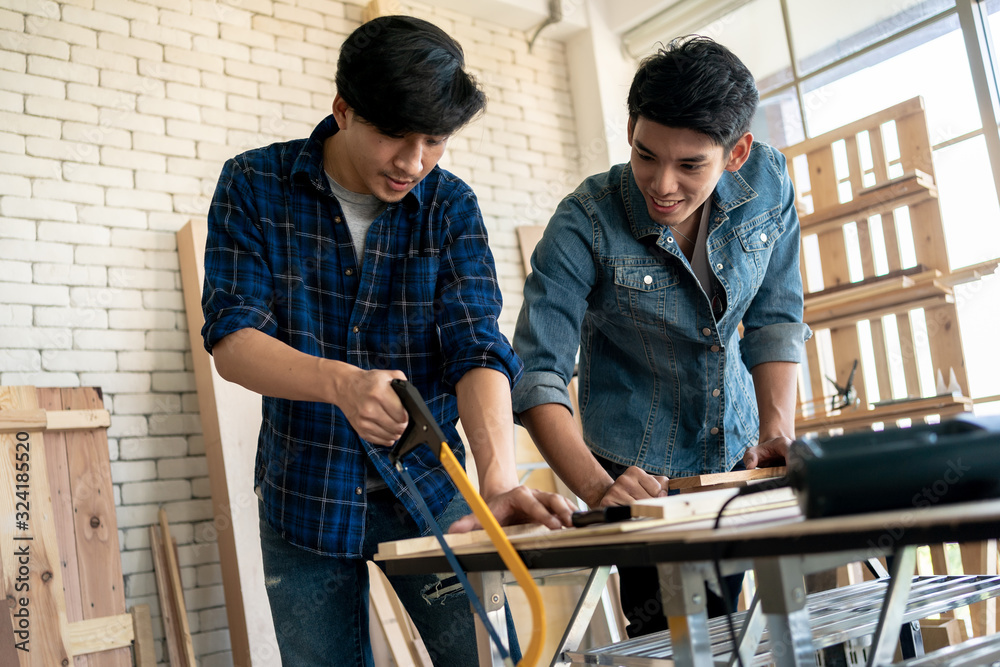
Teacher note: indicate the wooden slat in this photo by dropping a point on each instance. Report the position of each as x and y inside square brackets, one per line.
[230, 420]
[901, 110]
[739, 477]
[53, 420]
[907, 349]
[62, 508]
[102, 634]
[407, 649]
[174, 581]
[942, 332]
[879, 351]
[416, 545]
[49, 642]
[72, 420]
[899, 309]
[167, 613]
[879, 300]
[816, 381]
[910, 409]
[912, 190]
[143, 651]
[95, 522]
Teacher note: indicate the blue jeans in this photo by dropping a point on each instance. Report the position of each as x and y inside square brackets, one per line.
[320, 603]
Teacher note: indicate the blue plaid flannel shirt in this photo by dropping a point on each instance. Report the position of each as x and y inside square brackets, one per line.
[425, 301]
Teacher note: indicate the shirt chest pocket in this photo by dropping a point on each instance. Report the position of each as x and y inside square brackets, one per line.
[644, 292]
[757, 241]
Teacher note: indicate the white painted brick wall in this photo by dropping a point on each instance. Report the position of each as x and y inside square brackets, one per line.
[115, 119]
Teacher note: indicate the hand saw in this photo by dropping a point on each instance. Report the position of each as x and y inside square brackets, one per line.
[424, 430]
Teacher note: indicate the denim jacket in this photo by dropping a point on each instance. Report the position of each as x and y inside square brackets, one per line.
[662, 384]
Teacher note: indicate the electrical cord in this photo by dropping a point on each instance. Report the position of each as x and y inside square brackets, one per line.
[777, 483]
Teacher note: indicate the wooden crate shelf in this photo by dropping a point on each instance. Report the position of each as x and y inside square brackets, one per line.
[818, 164]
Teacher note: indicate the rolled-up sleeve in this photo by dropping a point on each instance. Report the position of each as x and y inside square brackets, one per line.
[238, 288]
[773, 327]
[469, 297]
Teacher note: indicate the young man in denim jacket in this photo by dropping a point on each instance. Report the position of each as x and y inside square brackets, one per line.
[335, 264]
[648, 269]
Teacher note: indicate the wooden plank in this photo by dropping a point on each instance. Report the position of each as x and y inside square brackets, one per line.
[898, 309]
[739, 477]
[816, 381]
[944, 339]
[875, 301]
[102, 634]
[708, 504]
[890, 240]
[32, 545]
[908, 351]
[71, 420]
[895, 112]
[972, 273]
[174, 582]
[62, 509]
[939, 633]
[22, 420]
[230, 420]
[95, 523]
[53, 420]
[167, 614]
[143, 650]
[418, 544]
[879, 351]
[403, 645]
[911, 190]
[908, 409]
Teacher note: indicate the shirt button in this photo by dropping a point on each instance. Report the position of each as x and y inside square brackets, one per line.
[716, 392]
[718, 266]
[763, 236]
[349, 272]
[714, 431]
[358, 491]
[670, 239]
[648, 280]
[715, 348]
[356, 329]
[707, 331]
[337, 220]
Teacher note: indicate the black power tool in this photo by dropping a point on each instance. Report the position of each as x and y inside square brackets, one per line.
[922, 466]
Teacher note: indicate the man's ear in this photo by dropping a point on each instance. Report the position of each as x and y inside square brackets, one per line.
[340, 109]
[630, 128]
[740, 153]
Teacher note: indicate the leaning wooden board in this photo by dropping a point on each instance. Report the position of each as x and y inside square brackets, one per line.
[56, 474]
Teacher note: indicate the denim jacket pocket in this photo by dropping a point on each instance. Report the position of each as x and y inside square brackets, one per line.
[642, 291]
[758, 238]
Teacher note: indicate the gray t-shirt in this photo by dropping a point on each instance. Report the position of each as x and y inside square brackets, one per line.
[359, 213]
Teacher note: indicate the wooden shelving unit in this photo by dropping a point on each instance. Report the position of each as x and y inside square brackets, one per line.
[843, 179]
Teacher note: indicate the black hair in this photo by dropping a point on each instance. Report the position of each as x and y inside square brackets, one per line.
[695, 83]
[402, 74]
